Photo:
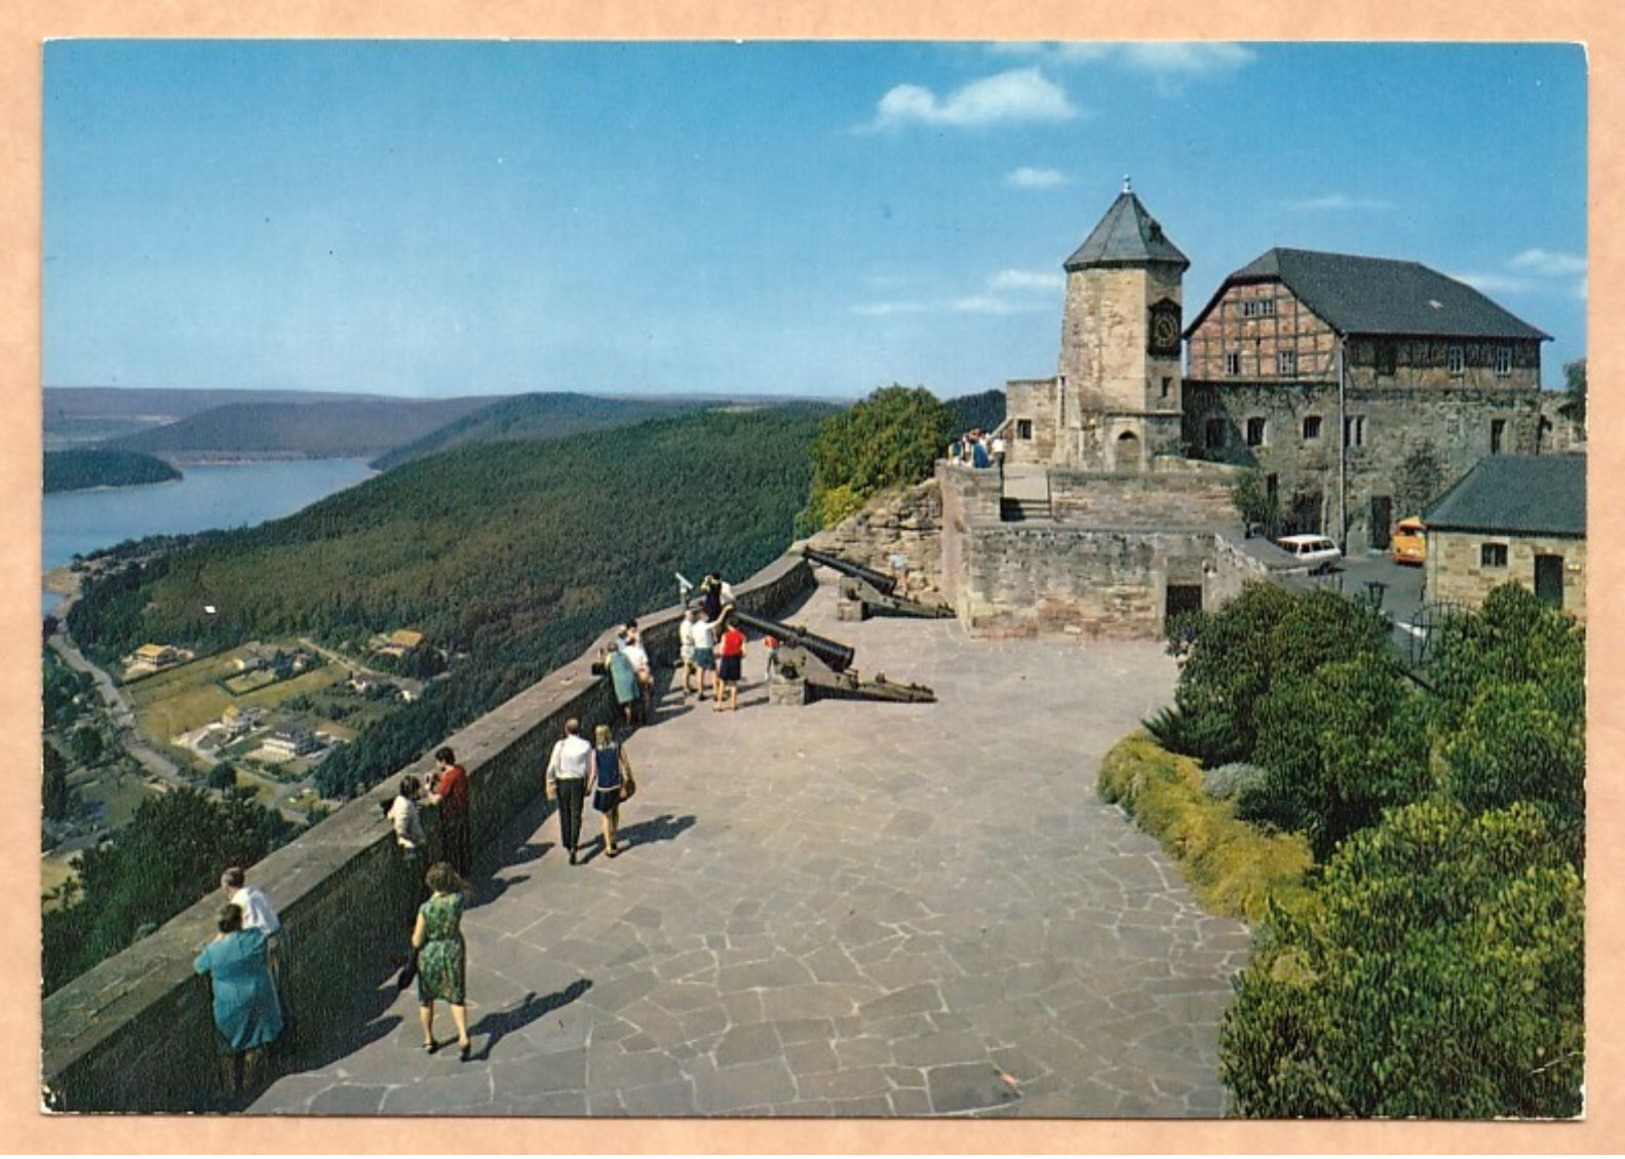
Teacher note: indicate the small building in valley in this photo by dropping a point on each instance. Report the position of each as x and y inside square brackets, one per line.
[1513, 519]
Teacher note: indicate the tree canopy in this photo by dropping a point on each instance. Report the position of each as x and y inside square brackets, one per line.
[894, 437]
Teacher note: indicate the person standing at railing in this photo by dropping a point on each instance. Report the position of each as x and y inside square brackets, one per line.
[246, 1011]
[451, 796]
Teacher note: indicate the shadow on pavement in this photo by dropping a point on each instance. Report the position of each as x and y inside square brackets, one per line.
[662, 828]
[497, 1025]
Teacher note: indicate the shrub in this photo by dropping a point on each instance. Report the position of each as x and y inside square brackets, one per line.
[889, 439]
[1437, 971]
[1227, 781]
[1234, 868]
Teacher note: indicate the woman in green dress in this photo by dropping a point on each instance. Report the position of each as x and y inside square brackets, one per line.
[438, 940]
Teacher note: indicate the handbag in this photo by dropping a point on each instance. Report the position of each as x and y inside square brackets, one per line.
[408, 974]
[628, 786]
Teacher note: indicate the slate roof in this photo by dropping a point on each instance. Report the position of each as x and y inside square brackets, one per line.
[1516, 495]
[1127, 235]
[1360, 295]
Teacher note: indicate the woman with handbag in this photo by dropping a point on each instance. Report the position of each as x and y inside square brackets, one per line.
[611, 784]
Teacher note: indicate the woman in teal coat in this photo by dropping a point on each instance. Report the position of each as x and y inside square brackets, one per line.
[246, 1011]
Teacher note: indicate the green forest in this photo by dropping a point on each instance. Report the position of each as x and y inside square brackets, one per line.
[509, 557]
[82, 469]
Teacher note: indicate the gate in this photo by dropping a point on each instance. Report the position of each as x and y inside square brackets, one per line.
[1421, 628]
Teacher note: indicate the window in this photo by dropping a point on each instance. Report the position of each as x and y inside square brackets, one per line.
[1498, 431]
[1258, 308]
[1492, 555]
[1167, 386]
[1255, 432]
[1454, 360]
[1286, 363]
[1354, 431]
[1213, 434]
[1387, 358]
[1024, 428]
[1311, 427]
[1503, 361]
[1232, 362]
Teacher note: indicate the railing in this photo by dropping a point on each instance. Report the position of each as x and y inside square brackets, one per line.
[136, 1032]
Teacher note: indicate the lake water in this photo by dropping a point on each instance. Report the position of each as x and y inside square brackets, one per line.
[221, 496]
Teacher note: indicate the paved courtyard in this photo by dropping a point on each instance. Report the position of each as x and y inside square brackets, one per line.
[843, 909]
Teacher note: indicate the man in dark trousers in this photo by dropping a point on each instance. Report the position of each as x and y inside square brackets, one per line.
[451, 794]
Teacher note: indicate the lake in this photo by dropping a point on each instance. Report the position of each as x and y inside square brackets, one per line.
[225, 496]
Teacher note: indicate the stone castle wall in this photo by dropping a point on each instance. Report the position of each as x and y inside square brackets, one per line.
[905, 522]
[1175, 495]
[136, 1032]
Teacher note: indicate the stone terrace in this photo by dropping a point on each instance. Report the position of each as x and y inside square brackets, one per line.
[847, 909]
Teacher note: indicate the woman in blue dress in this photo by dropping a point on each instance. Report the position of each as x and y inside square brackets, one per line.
[442, 958]
[610, 768]
[246, 1011]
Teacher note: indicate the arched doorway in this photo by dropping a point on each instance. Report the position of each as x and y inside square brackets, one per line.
[1128, 451]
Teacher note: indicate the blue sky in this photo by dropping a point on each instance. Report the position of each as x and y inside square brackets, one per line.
[444, 218]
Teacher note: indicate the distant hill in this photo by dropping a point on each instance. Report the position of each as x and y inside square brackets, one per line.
[77, 416]
[507, 560]
[535, 416]
[984, 410]
[326, 429]
[83, 469]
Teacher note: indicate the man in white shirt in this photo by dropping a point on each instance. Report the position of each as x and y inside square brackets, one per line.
[258, 913]
[632, 646]
[685, 648]
[566, 781]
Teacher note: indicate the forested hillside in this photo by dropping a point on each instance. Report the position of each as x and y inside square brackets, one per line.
[983, 411]
[509, 557]
[78, 470]
[534, 416]
[325, 429]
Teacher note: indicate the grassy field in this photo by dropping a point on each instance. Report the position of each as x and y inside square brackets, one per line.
[120, 795]
[183, 698]
[54, 869]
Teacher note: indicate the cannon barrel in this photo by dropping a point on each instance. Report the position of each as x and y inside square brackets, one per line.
[884, 584]
[833, 653]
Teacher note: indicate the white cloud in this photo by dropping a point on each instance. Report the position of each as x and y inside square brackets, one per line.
[1028, 178]
[1040, 280]
[987, 304]
[1339, 202]
[1492, 283]
[886, 309]
[1547, 263]
[1018, 95]
[1170, 63]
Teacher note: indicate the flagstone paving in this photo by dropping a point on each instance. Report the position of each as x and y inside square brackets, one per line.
[842, 909]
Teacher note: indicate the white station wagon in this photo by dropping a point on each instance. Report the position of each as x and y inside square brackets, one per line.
[1316, 552]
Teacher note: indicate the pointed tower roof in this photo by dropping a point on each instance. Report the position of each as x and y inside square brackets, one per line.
[1127, 236]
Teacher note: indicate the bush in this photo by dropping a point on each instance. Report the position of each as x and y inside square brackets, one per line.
[1436, 972]
[1227, 781]
[1340, 745]
[1233, 868]
[892, 438]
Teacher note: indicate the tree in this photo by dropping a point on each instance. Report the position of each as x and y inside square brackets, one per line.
[891, 438]
[1574, 381]
[222, 776]
[1257, 507]
[58, 798]
[1437, 973]
[1420, 478]
[88, 747]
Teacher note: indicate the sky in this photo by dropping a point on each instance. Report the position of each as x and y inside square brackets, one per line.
[431, 219]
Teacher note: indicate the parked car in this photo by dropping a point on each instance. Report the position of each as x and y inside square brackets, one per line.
[1316, 552]
[1409, 541]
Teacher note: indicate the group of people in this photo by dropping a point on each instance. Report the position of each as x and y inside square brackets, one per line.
[976, 448]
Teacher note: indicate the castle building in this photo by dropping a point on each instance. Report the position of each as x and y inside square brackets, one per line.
[1329, 372]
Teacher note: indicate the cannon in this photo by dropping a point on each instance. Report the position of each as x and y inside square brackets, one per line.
[873, 591]
[823, 667]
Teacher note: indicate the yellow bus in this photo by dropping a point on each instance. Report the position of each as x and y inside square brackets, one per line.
[1410, 541]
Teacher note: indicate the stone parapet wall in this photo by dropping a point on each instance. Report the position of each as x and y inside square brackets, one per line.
[1169, 497]
[1024, 579]
[905, 522]
[136, 1032]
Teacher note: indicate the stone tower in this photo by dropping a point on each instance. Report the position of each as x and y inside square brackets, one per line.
[1119, 376]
